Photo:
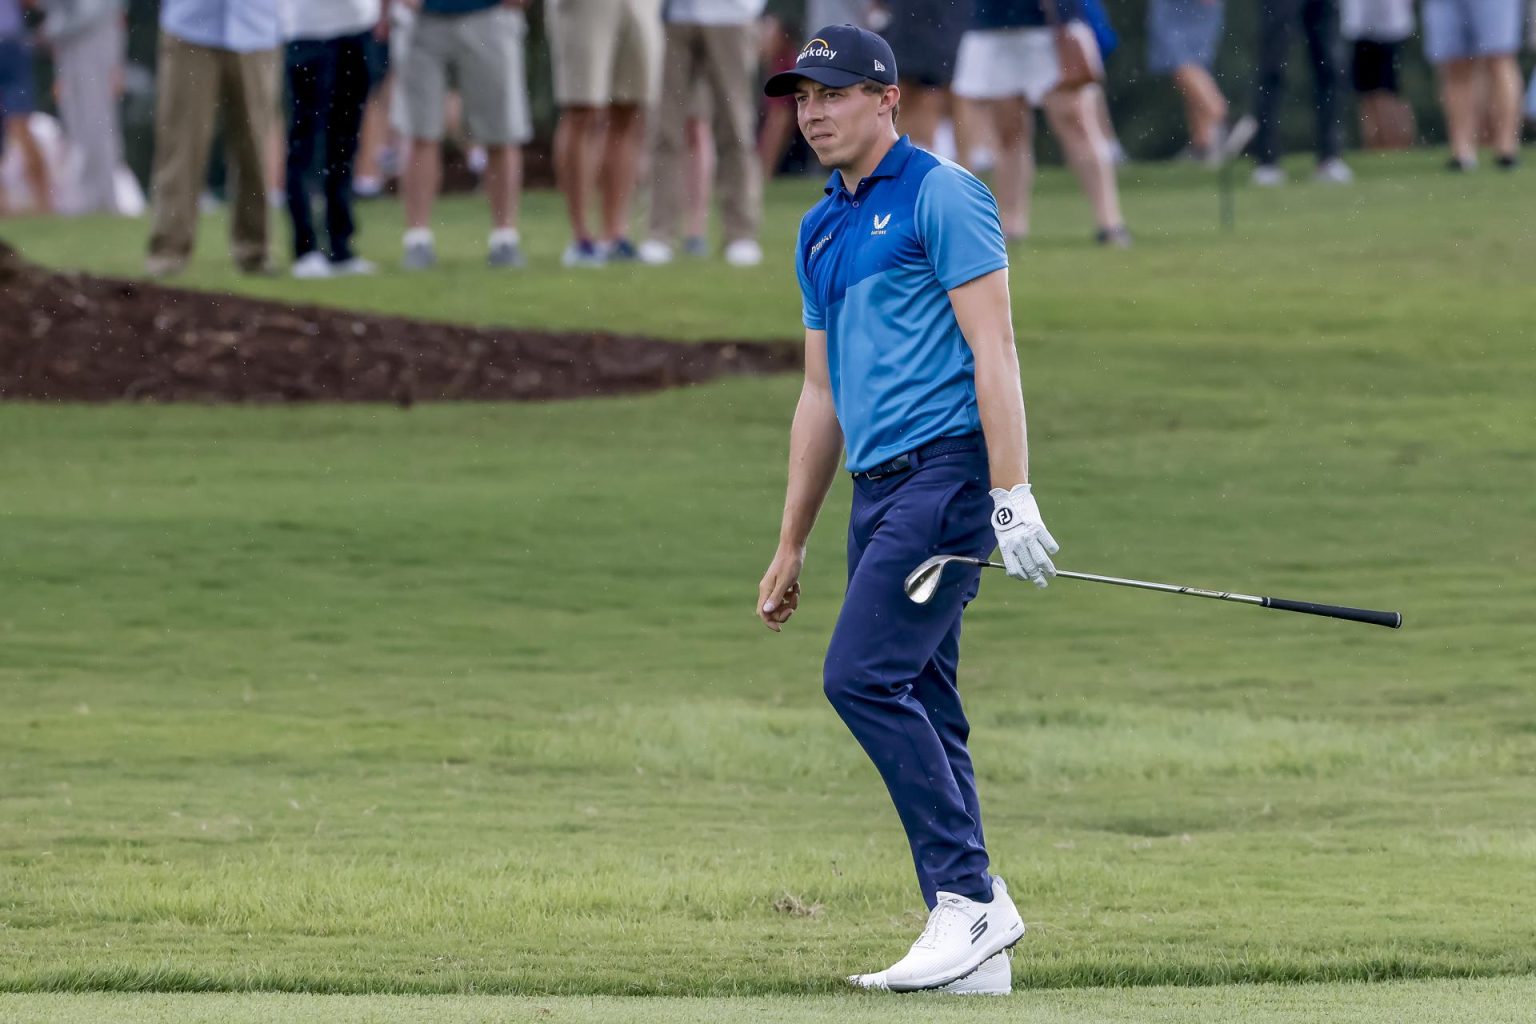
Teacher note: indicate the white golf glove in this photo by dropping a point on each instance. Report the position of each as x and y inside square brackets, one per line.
[1021, 536]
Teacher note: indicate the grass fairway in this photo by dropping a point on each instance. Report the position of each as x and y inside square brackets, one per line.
[470, 699]
[1483, 1001]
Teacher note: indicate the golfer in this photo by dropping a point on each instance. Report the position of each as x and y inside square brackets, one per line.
[910, 367]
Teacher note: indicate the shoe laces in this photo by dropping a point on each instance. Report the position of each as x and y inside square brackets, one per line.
[938, 919]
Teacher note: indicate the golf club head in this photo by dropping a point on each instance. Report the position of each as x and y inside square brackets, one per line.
[923, 581]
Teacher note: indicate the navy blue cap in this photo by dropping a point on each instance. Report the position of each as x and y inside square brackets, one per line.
[838, 56]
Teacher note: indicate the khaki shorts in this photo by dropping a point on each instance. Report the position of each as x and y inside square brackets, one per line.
[482, 54]
[605, 51]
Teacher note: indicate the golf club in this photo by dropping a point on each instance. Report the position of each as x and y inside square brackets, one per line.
[924, 581]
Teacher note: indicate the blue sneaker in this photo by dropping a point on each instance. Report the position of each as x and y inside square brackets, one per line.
[621, 250]
[582, 253]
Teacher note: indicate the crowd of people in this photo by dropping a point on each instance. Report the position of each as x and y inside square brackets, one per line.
[325, 99]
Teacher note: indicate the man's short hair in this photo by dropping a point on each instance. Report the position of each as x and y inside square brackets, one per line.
[874, 88]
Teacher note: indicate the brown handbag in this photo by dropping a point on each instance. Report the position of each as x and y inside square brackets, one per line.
[1077, 52]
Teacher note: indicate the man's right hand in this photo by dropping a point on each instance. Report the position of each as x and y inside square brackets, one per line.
[778, 595]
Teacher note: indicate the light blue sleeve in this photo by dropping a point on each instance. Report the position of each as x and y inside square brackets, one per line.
[958, 224]
[810, 310]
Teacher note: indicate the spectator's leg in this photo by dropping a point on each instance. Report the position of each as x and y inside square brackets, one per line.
[576, 139]
[308, 68]
[698, 175]
[636, 85]
[422, 179]
[1458, 96]
[1204, 105]
[1273, 45]
[377, 137]
[250, 87]
[184, 111]
[87, 67]
[1504, 95]
[621, 155]
[1320, 21]
[669, 147]
[1013, 123]
[974, 133]
[18, 129]
[584, 37]
[504, 183]
[730, 57]
[489, 53]
[343, 124]
[420, 92]
[921, 108]
[1075, 123]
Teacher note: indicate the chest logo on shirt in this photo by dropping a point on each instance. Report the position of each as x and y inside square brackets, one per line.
[880, 224]
[823, 240]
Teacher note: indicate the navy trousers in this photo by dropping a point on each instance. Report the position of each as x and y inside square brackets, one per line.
[328, 85]
[1320, 24]
[891, 666]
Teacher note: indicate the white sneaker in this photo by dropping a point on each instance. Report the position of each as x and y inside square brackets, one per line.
[992, 978]
[1333, 172]
[655, 253]
[960, 936]
[1269, 176]
[744, 252]
[312, 266]
[354, 267]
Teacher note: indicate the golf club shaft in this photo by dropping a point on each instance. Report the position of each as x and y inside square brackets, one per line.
[1392, 620]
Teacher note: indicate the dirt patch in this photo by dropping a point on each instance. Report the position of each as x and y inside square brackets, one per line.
[74, 337]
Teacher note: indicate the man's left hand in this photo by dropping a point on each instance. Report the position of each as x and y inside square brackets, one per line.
[1022, 538]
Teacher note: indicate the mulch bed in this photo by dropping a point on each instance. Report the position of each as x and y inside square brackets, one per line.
[75, 337]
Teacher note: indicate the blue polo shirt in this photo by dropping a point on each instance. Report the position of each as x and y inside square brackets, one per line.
[875, 269]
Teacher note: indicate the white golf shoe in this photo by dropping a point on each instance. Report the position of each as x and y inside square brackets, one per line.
[960, 936]
[993, 978]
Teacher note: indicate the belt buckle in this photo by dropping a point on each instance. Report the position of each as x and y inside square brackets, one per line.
[891, 468]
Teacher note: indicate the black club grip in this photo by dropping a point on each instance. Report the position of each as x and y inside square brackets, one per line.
[1392, 620]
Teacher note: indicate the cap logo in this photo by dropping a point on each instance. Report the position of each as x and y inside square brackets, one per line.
[879, 66]
[817, 48]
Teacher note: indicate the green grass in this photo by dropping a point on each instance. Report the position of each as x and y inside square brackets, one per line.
[470, 699]
[1498, 1001]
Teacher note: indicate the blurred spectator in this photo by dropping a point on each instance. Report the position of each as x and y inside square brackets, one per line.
[778, 45]
[1008, 62]
[17, 104]
[820, 13]
[925, 36]
[1320, 22]
[326, 63]
[1376, 30]
[698, 171]
[715, 42]
[1096, 16]
[1472, 44]
[607, 69]
[377, 152]
[481, 44]
[216, 56]
[87, 41]
[1182, 37]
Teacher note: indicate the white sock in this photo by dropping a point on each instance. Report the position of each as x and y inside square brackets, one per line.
[418, 236]
[504, 236]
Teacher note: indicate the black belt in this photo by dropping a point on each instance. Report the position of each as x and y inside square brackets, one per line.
[912, 459]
